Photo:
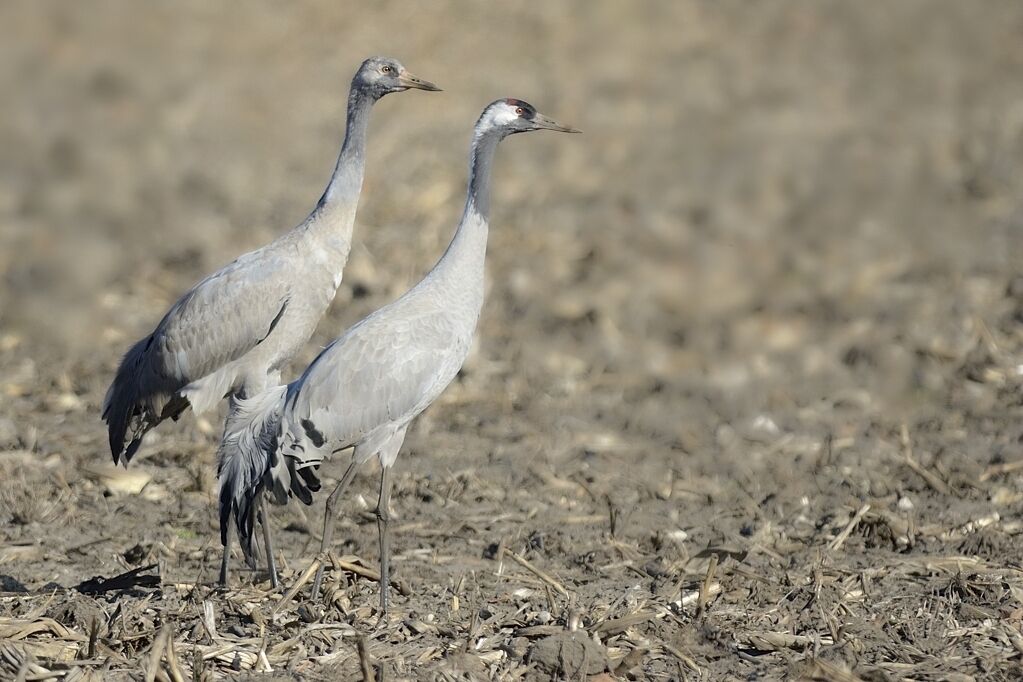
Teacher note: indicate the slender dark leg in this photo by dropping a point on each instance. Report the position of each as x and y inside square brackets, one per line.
[328, 522]
[226, 560]
[268, 545]
[383, 520]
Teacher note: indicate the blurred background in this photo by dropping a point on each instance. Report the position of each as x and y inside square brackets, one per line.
[789, 228]
[763, 164]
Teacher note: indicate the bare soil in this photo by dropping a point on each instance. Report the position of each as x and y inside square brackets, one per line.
[746, 401]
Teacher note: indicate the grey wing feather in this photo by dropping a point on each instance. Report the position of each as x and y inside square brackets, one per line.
[219, 320]
[383, 371]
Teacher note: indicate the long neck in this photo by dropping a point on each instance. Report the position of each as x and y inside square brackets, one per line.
[481, 160]
[463, 261]
[346, 182]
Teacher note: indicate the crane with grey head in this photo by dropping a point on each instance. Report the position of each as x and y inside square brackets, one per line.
[232, 332]
[363, 390]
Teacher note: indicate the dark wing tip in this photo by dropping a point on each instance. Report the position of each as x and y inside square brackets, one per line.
[312, 481]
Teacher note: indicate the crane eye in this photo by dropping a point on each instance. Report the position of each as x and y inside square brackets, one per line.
[386, 69]
[519, 110]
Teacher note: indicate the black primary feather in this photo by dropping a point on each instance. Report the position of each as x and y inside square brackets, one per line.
[245, 456]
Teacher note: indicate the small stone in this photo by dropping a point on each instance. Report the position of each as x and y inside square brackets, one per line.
[516, 648]
[569, 655]
[309, 614]
[257, 617]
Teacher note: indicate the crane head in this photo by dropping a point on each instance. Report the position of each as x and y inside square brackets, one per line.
[509, 116]
[379, 76]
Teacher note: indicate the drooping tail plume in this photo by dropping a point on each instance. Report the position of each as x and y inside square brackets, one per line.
[138, 399]
[121, 409]
[245, 456]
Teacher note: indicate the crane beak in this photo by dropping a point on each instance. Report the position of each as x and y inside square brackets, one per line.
[542, 122]
[407, 80]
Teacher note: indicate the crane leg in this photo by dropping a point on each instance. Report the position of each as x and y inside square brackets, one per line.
[268, 545]
[383, 523]
[329, 519]
[226, 559]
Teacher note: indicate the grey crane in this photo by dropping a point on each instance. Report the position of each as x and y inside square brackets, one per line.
[233, 331]
[363, 390]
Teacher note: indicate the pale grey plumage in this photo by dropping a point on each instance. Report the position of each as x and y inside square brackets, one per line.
[233, 331]
[363, 390]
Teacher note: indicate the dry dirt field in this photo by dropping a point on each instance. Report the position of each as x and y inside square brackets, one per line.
[746, 401]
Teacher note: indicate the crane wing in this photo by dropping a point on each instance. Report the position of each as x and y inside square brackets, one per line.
[385, 370]
[221, 319]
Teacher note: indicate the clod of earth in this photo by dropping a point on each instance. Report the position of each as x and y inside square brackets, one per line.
[569, 654]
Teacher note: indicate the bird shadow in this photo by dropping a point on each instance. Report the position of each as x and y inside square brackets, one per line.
[127, 581]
